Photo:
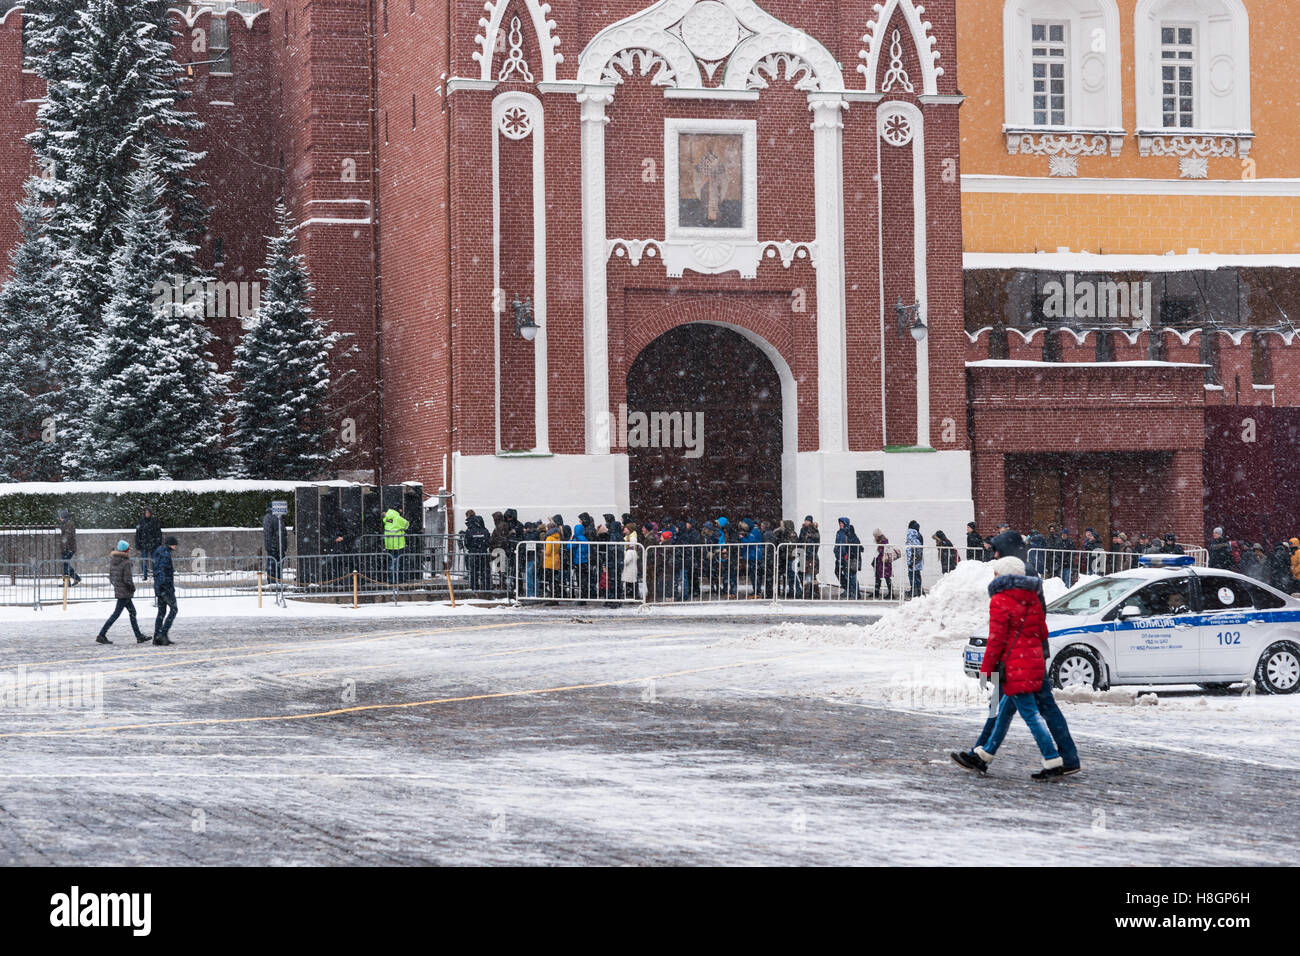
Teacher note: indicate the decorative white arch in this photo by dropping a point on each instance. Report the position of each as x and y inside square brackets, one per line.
[548, 41]
[191, 14]
[922, 37]
[737, 32]
[1222, 78]
[1094, 84]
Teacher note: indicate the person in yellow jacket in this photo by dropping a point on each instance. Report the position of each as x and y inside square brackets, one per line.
[553, 559]
[394, 541]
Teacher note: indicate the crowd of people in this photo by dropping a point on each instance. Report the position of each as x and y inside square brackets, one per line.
[590, 560]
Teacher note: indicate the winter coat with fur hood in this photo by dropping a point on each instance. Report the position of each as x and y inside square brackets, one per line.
[1017, 628]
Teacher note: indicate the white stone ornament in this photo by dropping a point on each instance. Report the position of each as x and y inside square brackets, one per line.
[895, 128]
[1194, 167]
[710, 30]
[1063, 165]
[515, 62]
[896, 72]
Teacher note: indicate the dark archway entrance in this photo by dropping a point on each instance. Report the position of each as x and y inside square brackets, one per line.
[716, 371]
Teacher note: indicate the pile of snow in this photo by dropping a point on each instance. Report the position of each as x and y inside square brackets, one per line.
[953, 610]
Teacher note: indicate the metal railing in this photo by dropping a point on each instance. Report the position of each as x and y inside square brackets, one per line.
[558, 572]
[1070, 564]
[579, 571]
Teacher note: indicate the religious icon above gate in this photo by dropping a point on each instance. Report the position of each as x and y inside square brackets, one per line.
[710, 193]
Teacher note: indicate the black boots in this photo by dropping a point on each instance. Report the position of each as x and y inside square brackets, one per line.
[103, 639]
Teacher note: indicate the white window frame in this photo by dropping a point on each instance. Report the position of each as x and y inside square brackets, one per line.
[1047, 62]
[1094, 87]
[748, 130]
[1221, 84]
[1193, 63]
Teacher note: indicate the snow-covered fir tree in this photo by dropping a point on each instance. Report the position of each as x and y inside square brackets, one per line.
[113, 92]
[153, 393]
[282, 369]
[35, 361]
[113, 89]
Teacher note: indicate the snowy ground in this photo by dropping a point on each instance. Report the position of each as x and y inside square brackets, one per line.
[396, 735]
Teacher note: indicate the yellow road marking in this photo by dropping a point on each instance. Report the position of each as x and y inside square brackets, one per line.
[214, 721]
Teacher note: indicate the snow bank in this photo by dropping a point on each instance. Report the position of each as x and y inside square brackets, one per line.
[953, 610]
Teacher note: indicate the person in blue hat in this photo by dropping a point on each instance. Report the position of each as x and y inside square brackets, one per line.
[119, 574]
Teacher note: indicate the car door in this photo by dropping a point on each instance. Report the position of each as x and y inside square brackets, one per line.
[1228, 626]
[1162, 642]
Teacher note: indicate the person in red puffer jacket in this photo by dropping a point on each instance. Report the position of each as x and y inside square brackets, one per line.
[1017, 631]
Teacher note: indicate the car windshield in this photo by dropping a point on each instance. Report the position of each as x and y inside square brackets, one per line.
[1094, 596]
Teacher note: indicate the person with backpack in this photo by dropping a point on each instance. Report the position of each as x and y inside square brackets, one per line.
[848, 558]
[1017, 652]
[119, 574]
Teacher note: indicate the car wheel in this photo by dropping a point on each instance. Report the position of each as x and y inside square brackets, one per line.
[1278, 671]
[1077, 666]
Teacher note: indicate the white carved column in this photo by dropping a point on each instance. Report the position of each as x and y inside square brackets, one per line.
[828, 173]
[595, 325]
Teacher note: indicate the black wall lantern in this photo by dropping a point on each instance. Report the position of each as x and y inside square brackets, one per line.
[525, 327]
[909, 320]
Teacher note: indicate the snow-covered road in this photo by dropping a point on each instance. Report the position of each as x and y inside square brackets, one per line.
[590, 738]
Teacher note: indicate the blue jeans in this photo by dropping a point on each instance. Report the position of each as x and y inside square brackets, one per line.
[995, 728]
[530, 577]
[68, 570]
[394, 565]
[1027, 706]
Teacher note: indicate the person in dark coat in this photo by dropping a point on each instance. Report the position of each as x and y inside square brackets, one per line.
[1171, 544]
[974, 543]
[948, 556]
[1254, 564]
[691, 556]
[848, 557]
[164, 591]
[275, 542]
[119, 574]
[477, 547]
[1038, 556]
[68, 545]
[810, 536]
[1220, 549]
[148, 535]
[1279, 568]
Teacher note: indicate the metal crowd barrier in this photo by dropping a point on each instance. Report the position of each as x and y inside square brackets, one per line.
[578, 571]
[1070, 564]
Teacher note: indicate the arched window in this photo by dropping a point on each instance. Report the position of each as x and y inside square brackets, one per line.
[1192, 77]
[1062, 75]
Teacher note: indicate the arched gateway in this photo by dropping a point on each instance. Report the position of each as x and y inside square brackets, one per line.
[703, 427]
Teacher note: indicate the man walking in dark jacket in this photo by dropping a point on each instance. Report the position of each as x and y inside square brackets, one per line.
[119, 573]
[164, 591]
[1221, 552]
[148, 535]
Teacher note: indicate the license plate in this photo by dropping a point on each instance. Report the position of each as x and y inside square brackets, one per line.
[974, 657]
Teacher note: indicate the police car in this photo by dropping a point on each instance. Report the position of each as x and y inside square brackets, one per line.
[1167, 622]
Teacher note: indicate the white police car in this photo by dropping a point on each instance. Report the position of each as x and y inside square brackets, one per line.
[1167, 622]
